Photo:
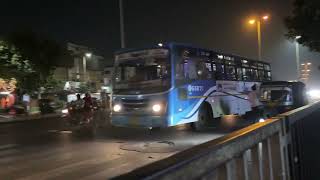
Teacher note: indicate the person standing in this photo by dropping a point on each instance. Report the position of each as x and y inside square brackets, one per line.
[26, 102]
[254, 102]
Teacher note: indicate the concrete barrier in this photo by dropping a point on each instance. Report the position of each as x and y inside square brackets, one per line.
[267, 150]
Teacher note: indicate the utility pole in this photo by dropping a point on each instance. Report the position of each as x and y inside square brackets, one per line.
[259, 39]
[123, 45]
[297, 57]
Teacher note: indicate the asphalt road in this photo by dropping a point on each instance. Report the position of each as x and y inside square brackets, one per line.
[43, 150]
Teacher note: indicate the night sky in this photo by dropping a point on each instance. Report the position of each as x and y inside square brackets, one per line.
[219, 25]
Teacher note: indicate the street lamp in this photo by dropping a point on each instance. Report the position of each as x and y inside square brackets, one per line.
[84, 64]
[258, 22]
[88, 55]
[297, 56]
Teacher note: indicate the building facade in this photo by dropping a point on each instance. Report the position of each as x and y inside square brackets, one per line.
[87, 68]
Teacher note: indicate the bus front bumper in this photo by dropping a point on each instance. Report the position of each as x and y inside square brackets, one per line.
[139, 121]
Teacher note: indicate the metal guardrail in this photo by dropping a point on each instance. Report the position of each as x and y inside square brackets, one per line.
[267, 150]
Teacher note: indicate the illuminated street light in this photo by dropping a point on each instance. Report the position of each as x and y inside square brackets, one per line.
[252, 21]
[84, 64]
[297, 37]
[258, 22]
[308, 63]
[88, 55]
[160, 44]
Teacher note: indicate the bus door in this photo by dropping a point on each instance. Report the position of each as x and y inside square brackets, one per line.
[194, 81]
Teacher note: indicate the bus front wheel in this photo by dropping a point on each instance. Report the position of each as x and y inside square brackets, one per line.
[204, 116]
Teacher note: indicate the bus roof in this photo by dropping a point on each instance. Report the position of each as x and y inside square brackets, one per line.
[171, 44]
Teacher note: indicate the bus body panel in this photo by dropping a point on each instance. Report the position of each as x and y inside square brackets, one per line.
[137, 110]
[224, 93]
[185, 111]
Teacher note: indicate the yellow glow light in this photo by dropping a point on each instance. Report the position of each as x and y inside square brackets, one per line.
[252, 21]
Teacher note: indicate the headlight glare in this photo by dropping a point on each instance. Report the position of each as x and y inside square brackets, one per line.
[65, 111]
[156, 108]
[116, 108]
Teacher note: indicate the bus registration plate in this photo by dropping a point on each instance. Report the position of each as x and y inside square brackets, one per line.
[134, 120]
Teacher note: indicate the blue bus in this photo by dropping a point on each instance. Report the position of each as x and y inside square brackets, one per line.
[173, 84]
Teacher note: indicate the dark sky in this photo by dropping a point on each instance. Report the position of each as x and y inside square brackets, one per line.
[220, 25]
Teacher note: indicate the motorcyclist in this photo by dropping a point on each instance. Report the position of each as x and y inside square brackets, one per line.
[87, 105]
[79, 101]
[87, 101]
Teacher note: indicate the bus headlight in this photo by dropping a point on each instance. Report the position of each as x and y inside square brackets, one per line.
[156, 108]
[116, 108]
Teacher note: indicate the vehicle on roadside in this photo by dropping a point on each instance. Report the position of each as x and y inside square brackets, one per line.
[281, 96]
[172, 84]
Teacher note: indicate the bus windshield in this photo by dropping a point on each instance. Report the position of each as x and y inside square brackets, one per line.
[146, 71]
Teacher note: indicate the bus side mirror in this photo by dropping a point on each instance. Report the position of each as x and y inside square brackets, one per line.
[183, 93]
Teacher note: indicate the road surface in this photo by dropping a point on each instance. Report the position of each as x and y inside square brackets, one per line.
[42, 150]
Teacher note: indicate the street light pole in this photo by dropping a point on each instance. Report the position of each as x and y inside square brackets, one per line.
[84, 66]
[258, 22]
[121, 25]
[297, 56]
[259, 39]
[297, 60]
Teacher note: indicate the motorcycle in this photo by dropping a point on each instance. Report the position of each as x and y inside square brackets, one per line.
[79, 119]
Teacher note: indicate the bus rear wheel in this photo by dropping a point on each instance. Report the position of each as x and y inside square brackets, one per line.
[204, 117]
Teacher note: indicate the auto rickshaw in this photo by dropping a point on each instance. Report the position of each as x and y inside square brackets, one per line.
[281, 96]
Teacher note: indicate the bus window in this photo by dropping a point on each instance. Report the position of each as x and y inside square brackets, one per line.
[239, 74]
[197, 69]
[254, 74]
[230, 72]
[192, 67]
[253, 65]
[268, 75]
[261, 75]
[208, 69]
[219, 73]
[246, 72]
[244, 63]
[267, 67]
[260, 66]
[182, 61]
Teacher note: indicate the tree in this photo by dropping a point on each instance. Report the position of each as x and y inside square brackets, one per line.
[43, 53]
[305, 22]
[13, 64]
